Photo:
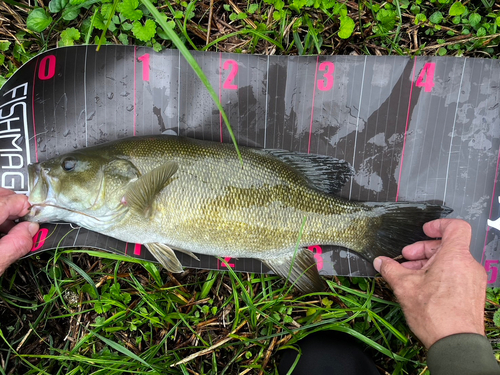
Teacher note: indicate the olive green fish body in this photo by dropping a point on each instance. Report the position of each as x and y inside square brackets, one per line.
[195, 196]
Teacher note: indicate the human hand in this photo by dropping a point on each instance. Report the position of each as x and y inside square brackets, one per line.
[441, 287]
[19, 238]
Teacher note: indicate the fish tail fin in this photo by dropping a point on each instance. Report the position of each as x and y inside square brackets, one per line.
[399, 224]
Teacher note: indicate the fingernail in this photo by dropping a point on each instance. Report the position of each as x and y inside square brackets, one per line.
[33, 228]
[377, 263]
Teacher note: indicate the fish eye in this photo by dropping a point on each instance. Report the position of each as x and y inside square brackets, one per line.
[68, 164]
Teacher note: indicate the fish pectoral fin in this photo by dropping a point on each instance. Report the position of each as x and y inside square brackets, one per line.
[165, 255]
[299, 268]
[141, 193]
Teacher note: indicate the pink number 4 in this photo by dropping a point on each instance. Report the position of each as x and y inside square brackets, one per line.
[427, 73]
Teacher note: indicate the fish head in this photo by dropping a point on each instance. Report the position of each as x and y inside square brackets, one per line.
[79, 187]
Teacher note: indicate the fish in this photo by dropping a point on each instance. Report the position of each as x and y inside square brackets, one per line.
[172, 193]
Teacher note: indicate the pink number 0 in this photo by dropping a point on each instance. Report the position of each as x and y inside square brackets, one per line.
[47, 68]
[228, 83]
[491, 265]
[39, 239]
[326, 83]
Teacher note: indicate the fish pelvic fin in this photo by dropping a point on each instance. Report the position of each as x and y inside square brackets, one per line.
[300, 269]
[165, 255]
[141, 193]
[398, 225]
[322, 173]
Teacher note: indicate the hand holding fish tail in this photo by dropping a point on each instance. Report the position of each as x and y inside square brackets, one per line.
[17, 240]
[440, 287]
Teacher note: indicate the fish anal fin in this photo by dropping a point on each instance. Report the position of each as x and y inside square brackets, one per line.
[141, 193]
[300, 269]
[165, 255]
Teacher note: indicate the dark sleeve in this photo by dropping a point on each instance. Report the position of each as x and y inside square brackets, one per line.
[464, 353]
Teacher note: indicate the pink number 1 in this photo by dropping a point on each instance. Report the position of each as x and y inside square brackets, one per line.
[145, 66]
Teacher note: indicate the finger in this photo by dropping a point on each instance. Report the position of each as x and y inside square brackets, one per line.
[415, 264]
[390, 270]
[13, 206]
[6, 226]
[4, 192]
[421, 249]
[16, 244]
[449, 229]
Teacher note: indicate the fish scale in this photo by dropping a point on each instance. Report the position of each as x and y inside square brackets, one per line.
[169, 192]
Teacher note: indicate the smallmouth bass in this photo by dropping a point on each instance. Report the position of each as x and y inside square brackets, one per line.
[173, 193]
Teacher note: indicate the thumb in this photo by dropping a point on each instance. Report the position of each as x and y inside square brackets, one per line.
[390, 270]
[16, 243]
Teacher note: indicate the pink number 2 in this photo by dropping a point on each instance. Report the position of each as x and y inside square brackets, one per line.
[228, 83]
[145, 66]
[491, 265]
[326, 83]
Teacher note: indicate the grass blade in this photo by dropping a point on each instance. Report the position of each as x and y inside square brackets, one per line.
[194, 65]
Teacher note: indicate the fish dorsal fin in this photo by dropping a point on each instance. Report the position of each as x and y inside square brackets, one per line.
[300, 269]
[141, 193]
[165, 255]
[323, 173]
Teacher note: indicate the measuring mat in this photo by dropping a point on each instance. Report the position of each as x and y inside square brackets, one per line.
[425, 129]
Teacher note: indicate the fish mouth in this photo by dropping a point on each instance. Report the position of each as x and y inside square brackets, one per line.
[42, 197]
[38, 184]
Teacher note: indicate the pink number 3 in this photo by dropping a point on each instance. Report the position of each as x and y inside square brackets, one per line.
[326, 83]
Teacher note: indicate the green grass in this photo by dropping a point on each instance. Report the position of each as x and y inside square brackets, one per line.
[119, 317]
[85, 312]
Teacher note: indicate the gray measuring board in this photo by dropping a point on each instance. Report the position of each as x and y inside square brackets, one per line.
[421, 129]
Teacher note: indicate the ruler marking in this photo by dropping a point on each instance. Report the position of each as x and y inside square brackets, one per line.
[406, 126]
[178, 92]
[453, 132]
[357, 124]
[76, 235]
[33, 114]
[491, 205]
[85, 95]
[267, 102]
[135, 87]
[220, 93]
[312, 107]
